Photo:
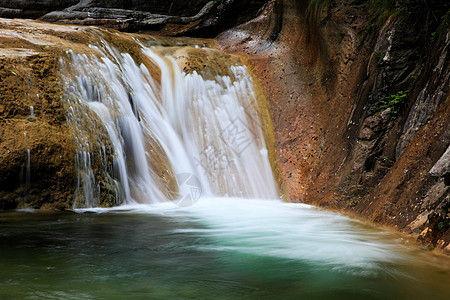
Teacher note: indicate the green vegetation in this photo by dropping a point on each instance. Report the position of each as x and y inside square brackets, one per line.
[394, 102]
[379, 57]
[433, 36]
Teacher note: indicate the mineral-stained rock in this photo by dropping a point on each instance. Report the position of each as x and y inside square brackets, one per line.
[428, 99]
[36, 152]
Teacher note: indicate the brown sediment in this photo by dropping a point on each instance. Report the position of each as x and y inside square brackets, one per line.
[267, 127]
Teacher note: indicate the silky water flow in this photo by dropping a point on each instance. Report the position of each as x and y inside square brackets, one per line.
[173, 135]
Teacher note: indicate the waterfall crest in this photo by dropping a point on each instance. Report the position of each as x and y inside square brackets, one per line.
[174, 118]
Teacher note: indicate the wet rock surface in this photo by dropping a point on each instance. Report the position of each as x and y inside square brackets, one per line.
[36, 147]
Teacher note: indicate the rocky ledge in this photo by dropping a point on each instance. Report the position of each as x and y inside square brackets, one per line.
[198, 17]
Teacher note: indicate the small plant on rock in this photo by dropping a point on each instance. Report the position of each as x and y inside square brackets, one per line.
[394, 102]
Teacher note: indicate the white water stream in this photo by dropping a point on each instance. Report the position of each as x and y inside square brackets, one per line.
[150, 131]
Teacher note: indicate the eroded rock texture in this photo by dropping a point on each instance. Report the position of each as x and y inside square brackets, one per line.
[36, 146]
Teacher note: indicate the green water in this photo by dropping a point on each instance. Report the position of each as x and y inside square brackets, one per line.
[220, 249]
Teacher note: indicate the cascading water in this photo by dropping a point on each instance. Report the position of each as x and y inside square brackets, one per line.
[165, 122]
[27, 176]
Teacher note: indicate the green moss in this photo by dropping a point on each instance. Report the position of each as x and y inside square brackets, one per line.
[379, 57]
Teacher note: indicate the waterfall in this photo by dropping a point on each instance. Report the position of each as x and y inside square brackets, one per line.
[27, 176]
[28, 173]
[162, 128]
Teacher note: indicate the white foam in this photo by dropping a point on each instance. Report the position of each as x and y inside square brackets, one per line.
[276, 229]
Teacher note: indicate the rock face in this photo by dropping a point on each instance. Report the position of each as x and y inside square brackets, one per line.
[36, 147]
[358, 94]
[41, 7]
[441, 168]
[31, 9]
